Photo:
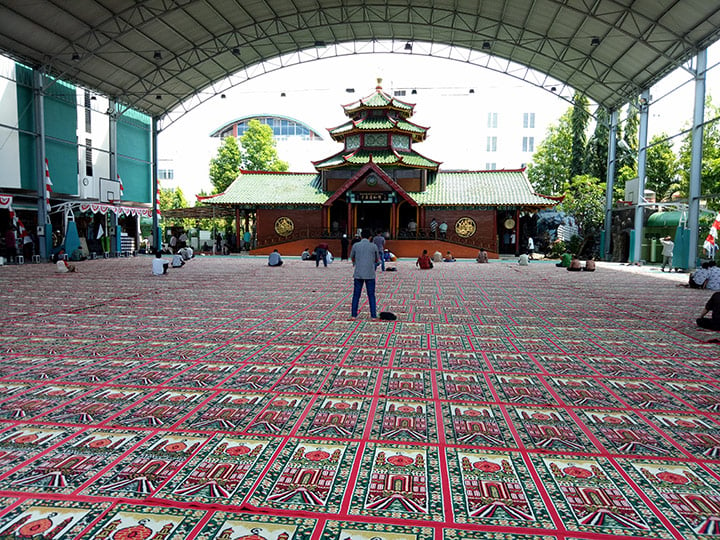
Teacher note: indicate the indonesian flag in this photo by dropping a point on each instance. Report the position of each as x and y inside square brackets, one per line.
[711, 241]
[48, 185]
[121, 185]
[157, 198]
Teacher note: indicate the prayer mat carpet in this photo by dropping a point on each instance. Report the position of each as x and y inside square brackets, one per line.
[228, 400]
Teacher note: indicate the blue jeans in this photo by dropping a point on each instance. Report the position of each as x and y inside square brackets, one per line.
[370, 288]
[320, 254]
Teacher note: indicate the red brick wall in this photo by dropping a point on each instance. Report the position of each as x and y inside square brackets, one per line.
[485, 222]
[301, 218]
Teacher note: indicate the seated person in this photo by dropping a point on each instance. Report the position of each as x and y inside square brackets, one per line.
[160, 265]
[449, 257]
[565, 259]
[713, 305]
[389, 256]
[589, 265]
[177, 260]
[274, 259]
[424, 261]
[437, 257]
[699, 278]
[482, 256]
[305, 255]
[713, 281]
[186, 253]
[205, 246]
[575, 265]
[63, 267]
[523, 260]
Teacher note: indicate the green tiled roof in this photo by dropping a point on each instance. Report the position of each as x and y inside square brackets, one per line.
[378, 124]
[258, 188]
[381, 157]
[377, 100]
[481, 188]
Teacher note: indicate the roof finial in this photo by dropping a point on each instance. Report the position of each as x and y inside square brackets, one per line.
[379, 83]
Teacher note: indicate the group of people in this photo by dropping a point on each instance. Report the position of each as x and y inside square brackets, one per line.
[574, 264]
[425, 262]
[160, 265]
[706, 277]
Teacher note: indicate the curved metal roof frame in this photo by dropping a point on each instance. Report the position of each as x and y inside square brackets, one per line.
[216, 132]
[154, 55]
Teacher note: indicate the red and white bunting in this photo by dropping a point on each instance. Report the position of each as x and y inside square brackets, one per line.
[711, 241]
[121, 185]
[157, 199]
[48, 185]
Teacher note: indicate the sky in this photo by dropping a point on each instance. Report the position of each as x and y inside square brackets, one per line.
[314, 93]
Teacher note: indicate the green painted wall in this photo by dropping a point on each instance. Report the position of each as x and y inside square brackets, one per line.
[26, 123]
[61, 147]
[134, 166]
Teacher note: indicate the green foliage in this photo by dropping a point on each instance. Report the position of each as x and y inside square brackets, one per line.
[225, 167]
[172, 198]
[585, 200]
[710, 170]
[662, 168]
[550, 166]
[557, 248]
[627, 152]
[258, 151]
[579, 121]
[596, 153]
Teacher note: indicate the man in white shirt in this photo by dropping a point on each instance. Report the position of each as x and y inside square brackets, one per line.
[160, 265]
[667, 253]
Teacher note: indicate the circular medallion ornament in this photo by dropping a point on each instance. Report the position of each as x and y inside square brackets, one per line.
[509, 223]
[465, 227]
[284, 226]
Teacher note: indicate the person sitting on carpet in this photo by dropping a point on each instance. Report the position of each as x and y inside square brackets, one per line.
[63, 267]
[713, 305]
[589, 265]
[274, 259]
[565, 259]
[424, 262]
[449, 257]
[699, 278]
[523, 259]
[160, 265]
[575, 265]
[178, 261]
[306, 256]
[437, 257]
[482, 256]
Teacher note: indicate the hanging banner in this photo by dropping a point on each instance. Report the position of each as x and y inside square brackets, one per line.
[6, 202]
[119, 210]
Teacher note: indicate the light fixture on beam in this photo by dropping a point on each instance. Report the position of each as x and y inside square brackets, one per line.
[158, 97]
[408, 46]
[236, 51]
[222, 96]
[486, 45]
[75, 57]
[595, 41]
[157, 55]
[282, 94]
[471, 91]
[320, 43]
[350, 90]
[414, 91]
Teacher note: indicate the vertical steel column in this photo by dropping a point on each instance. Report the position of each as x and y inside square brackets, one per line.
[610, 182]
[696, 157]
[43, 211]
[642, 166]
[157, 238]
[116, 243]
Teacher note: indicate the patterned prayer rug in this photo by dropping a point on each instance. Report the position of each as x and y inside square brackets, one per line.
[229, 401]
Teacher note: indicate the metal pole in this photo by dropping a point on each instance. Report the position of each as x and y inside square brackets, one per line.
[696, 158]
[43, 210]
[610, 181]
[157, 239]
[642, 165]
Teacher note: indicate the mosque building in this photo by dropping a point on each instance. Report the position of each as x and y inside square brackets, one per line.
[379, 180]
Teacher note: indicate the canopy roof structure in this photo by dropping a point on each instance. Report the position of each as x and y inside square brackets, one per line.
[165, 57]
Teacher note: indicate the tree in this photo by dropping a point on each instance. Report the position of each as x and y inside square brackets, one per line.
[549, 170]
[171, 198]
[596, 153]
[662, 167]
[225, 167]
[579, 121]
[710, 170]
[258, 151]
[585, 201]
[627, 148]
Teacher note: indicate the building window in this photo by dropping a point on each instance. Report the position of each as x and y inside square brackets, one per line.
[490, 166]
[88, 115]
[528, 144]
[529, 120]
[166, 174]
[492, 119]
[491, 144]
[399, 93]
[88, 157]
[283, 128]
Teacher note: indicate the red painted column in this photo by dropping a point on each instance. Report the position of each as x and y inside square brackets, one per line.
[237, 227]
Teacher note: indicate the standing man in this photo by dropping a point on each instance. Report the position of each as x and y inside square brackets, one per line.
[364, 256]
[433, 228]
[443, 230]
[321, 254]
[531, 247]
[379, 241]
[667, 253]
